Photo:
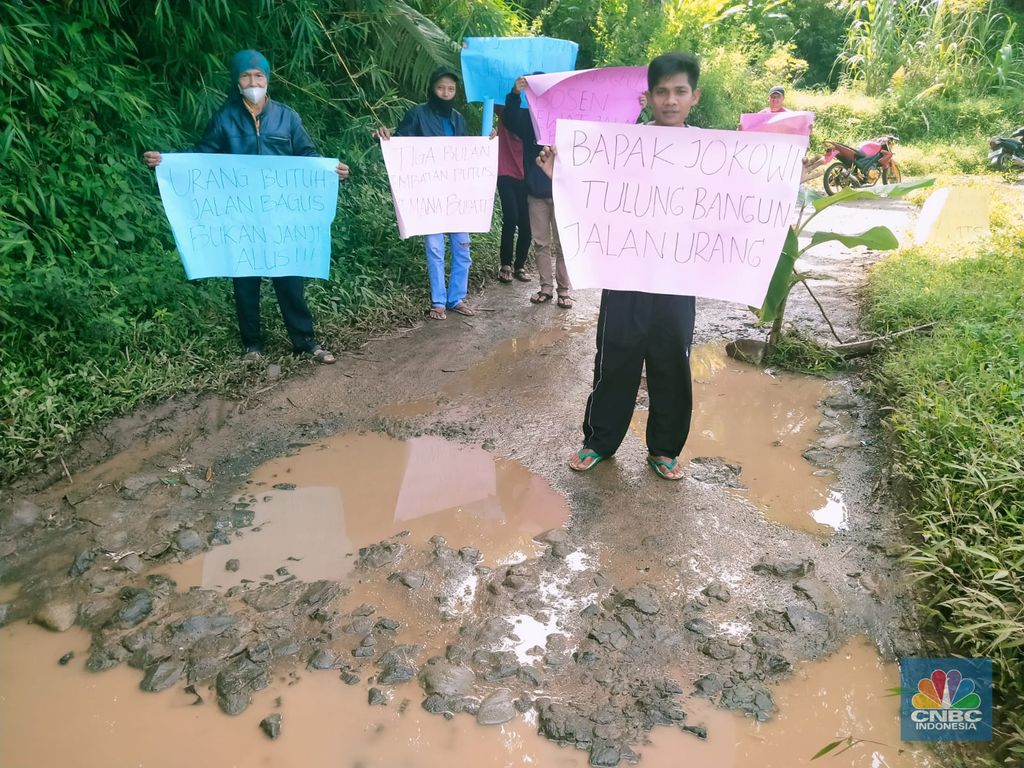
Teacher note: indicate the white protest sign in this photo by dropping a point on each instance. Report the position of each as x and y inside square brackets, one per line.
[681, 211]
[442, 184]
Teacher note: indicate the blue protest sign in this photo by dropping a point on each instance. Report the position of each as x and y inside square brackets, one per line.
[250, 215]
[490, 65]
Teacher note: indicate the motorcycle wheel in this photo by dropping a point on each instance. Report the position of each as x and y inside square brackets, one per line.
[836, 178]
[892, 175]
[1001, 161]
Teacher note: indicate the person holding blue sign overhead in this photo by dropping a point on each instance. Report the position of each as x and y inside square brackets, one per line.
[438, 117]
[250, 123]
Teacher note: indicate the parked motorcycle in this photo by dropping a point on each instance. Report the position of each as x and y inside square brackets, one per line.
[861, 167]
[1007, 150]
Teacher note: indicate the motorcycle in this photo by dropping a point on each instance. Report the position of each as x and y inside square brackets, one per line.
[1007, 150]
[861, 167]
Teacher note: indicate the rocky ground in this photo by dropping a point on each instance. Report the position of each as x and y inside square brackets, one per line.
[659, 591]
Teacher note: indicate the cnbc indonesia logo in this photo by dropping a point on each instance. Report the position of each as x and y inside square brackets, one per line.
[945, 699]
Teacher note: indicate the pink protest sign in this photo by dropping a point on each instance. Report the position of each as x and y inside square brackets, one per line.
[442, 184]
[792, 123]
[681, 211]
[608, 95]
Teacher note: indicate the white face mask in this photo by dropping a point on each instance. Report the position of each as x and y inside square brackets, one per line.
[254, 95]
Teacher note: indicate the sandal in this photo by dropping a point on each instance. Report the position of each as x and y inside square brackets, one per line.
[565, 302]
[585, 455]
[323, 356]
[505, 274]
[664, 469]
[437, 313]
[463, 308]
[541, 298]
[523, 276]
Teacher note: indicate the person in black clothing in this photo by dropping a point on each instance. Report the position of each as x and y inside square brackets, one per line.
[543, 228]
[249, 123]
[635, 328]
[438, 117]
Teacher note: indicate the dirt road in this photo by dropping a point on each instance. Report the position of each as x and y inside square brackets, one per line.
[373, 558]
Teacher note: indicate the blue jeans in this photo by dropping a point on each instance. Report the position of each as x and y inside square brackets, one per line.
[458, 283]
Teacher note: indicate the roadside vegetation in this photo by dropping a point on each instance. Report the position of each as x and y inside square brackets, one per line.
[97, 318]
[956, 421]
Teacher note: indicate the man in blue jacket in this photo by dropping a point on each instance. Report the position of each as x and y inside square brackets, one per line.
[249, 123]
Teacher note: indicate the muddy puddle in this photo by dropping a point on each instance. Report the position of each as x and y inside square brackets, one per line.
[63, 715]
[762, 422]
[312, 511]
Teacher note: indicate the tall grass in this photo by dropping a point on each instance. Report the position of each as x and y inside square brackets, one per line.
[957, 428]
[923, 45]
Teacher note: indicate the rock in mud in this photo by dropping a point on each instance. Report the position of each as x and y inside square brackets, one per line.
[83, 560]
[396, 665]
[817, 591]
[697, 730]
[377, 697]
[806, 621]
[275, 596]
[162, 675]
[232, 565]
[783, 567]
[701, 627]
[560, 722]
[752, 700]
[66, 658]
[718, 649]
[5, 608]
[441, 677]
[380, 554]
[841, 441]
[497, 708]
[237, 682]
[136, 486]
[818, 456]
[604, 755]
[105, 657]
[841, 402]
[271, 725]
[188, 542]
[470, 555]
[348, 676]
[410, 579]
[323, 659]
[750, 351]
[643, 599]
[190, 630]
[718, 590]
[708, 686]
[58, 616]
[553, 536]
[284, 486]
[714, 470]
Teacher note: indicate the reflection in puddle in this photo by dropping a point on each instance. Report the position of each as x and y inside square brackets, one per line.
[354, 490]
[764, 423]
[101, 720]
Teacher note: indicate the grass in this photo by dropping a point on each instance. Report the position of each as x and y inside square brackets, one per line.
[956, 422]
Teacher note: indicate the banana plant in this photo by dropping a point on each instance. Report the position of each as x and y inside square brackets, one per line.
[786, 274]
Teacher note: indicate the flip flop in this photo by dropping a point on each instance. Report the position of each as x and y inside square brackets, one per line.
[505, 275]
[662, 468]
[437, 313]
[565, 302]
[463, 309]
[584, 454]
[523, 276]
[541, 298]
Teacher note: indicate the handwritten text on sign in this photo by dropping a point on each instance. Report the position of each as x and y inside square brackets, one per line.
[681, 211]
[608, 95]
[442, 184]
[490, 65]
[250, 215]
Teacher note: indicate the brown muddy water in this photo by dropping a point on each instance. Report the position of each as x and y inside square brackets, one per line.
[762, 421]
[356, 489]
[53, 715]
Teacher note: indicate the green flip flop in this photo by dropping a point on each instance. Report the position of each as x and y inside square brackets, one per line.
[662, 468]
[585, 454]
